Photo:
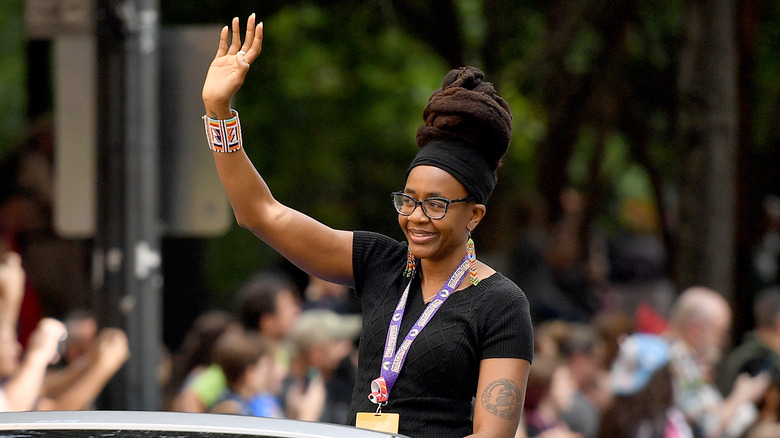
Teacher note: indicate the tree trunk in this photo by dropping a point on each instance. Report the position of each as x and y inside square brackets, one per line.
[708, 138]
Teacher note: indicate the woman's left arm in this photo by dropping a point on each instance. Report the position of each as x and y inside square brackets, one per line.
[500, 397]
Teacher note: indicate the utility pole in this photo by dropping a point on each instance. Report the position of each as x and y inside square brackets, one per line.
[127, 257]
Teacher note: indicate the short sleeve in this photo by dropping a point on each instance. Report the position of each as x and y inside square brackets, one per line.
[506, 324]
[376, 259]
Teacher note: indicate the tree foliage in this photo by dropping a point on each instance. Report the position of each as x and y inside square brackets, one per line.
[12, 73]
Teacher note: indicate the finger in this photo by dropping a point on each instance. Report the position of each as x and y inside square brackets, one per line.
[223, 45]
[250, 32]
[257, 44]
[235, 43]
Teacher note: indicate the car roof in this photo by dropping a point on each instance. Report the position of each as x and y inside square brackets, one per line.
[149, 422]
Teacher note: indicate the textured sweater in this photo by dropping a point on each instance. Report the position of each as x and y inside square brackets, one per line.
[435, 388]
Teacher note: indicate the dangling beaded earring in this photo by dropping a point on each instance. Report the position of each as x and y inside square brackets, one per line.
[411, 264]
[472, 256]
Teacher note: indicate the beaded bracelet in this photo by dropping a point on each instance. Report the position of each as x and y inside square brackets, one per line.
[223, 135]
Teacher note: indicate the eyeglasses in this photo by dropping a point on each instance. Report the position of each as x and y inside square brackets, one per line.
[435, 208]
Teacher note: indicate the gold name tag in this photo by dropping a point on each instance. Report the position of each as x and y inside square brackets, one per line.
[380, 422]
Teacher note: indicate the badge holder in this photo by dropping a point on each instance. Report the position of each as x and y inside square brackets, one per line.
[382, 422]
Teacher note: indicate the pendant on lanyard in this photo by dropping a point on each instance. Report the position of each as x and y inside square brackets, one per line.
[378, 393]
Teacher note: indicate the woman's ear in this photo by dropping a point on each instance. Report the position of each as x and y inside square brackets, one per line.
[477, 213]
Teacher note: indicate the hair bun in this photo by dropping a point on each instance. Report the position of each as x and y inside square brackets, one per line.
[468, 110]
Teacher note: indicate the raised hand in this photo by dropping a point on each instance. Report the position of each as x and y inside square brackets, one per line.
[42, 347]
[230, 66]
[112, 349]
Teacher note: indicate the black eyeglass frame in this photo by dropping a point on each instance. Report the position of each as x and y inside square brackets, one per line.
[421, 204]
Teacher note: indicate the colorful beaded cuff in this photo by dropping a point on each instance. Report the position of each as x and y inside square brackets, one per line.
[223, 135]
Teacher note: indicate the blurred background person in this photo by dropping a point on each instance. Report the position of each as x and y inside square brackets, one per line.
[700, 320]
[247, 360]
[582, 353]
[22, 371]
[73, 387]
[82, 329]
[195, 355]
[760, 348]
[759, 352]
[612, 326]
[550, 392]
[77, 385]
[268, 303]
[641, 382]
[323, 366]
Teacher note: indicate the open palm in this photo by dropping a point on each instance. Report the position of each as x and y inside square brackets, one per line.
[231, 64]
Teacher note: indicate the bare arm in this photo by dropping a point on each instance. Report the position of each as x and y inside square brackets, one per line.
[108, 355]
[12, 279]
[747, 391]
[24, 387]
[187, 401]
[312, 246]
[500, 397]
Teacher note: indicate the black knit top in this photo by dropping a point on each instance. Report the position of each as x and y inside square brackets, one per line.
[434, 391]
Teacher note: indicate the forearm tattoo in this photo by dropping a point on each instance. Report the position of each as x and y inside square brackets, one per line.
[502, 398]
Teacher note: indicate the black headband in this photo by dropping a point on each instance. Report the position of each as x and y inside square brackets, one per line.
[467, 165]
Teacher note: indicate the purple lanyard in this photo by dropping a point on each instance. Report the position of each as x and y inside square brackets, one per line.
[393, 359]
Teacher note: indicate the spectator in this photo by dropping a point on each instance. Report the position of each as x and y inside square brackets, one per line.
[22, 380]
[641, 381]
[79, 384]
[56, 280]
[550, 393]
[246, 358]
[699, 324]
[766, 254]
[76, 386]
[760, 349]
[194, 356]
[583, 352]
[612, 326]
[323, 371]
[758, 352]
[82, 334]
[267, 303]
[548, 337]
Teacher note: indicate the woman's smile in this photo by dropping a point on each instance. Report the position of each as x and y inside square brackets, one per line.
[421, 237]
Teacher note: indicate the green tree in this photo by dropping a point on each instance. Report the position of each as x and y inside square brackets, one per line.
[12, 73]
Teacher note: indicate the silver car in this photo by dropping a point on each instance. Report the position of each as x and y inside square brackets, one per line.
[148, 424]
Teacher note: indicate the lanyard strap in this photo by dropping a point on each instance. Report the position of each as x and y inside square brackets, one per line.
[392, 359]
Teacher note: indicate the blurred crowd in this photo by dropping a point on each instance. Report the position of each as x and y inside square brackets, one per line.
[64, 365]
[286, 353]
[280, 353]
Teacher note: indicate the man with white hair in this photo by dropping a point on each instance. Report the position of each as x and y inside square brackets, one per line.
[699, 324]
